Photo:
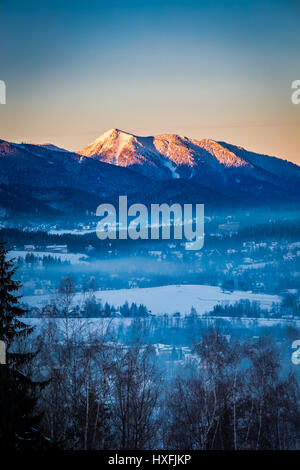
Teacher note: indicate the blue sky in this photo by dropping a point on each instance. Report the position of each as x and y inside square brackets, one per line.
[220, 69]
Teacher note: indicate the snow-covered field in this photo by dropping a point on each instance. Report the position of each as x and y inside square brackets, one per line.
[170, 299]
[72, 231]
[74, 258]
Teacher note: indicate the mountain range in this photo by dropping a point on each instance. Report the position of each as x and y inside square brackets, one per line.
[229, 168]
[45, 180]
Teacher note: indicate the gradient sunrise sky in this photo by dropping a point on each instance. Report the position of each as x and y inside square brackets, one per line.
[220, 69]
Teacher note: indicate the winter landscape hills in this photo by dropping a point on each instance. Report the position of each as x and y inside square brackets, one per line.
[45, 180]
[220, 165]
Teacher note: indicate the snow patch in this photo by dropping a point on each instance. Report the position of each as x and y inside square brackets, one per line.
[170, 299]
[172, 167]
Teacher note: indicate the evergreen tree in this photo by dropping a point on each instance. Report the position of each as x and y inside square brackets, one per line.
[18, 393]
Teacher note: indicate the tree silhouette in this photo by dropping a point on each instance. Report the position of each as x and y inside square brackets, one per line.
[18, 392]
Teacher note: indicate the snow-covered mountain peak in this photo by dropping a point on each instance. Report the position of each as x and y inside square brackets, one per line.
[125, 149]
[177, 168]
[109, 146]
[222, 154]
[206, 161]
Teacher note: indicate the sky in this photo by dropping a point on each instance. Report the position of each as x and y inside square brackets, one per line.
[219, 69]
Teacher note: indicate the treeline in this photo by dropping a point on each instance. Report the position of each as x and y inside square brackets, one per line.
[45, 260]
[76, 385]
[101, 395]
[288, 229]
[237, 398]
[184, 331]
[241, 309]
[288, 307]
[76, 243]
[106, 395]
[90, 308]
